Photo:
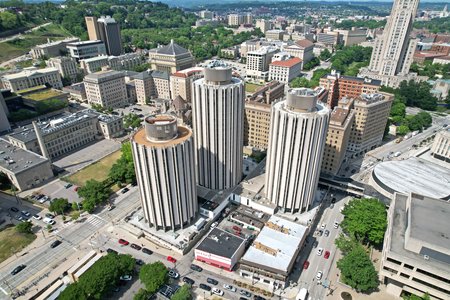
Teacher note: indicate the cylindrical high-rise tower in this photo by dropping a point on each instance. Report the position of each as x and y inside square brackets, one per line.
[298, 133]
[218, 122]
[163, 154]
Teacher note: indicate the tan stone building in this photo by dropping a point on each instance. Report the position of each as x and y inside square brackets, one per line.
[339, 129]
[111, 126]
[24, 168]
[162, 84]
[106, 88]
[263, 25]
[257, 114]
[371, 115]
[258, 62]
[285, 70]
[275, 34]
[145, 88]
[66, 66]
[171, 58]
[302, 49]
[32, 77]
[181, 82]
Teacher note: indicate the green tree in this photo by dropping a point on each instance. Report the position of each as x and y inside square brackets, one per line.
[153, 276]
[358, 271]
[365, 219]
[123, 170]
[311, 64]
[413, 122]
[8, 20]
[299, 82]
[24, 227]
[425, 118]
[398, 109]
[73, 292]
[415, 297]
[402, 130]
[142, 294]
[346, 245]
[59, 205]
[75, 215]
[325, 54]
[183, 293]
[132, 121]
[94, 193]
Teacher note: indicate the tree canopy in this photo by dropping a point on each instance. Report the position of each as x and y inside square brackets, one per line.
[325, 54]
[123, 170]
[365, 219]
[183, 293]
[24, 227]
[94, 193]
[142, 294]
[357, 270]
[100, 278]
[131, 120]
[411, 93]
[350, 59]
[153, 276]
[59, 205]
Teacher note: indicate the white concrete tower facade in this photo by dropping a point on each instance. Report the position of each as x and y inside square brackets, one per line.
[393, 51]
[298, 132]
[218, 122]
[163, 154]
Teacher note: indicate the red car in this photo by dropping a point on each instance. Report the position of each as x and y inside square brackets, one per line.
[76, 189]
[327, 254]
[237, 228]
[306, 264]
[123, 242]
[171, 259]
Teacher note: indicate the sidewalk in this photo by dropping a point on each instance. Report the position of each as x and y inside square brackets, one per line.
[336, 287]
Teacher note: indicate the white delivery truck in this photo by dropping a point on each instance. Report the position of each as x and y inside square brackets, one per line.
[302, 294]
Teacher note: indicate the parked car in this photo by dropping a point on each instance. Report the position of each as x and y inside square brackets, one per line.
[37, 217]
[237, 228]
[173, 274]
[111, 207]
[323, 226]
[44, 199]
[336, 224]
[306, 265]
[205, 287]
[25, 213]
[147, 251]
[326, 232]
[68, 185]
[109, 250]
[18, 269]
[126, 277]
[196, 268]
[139, 262]
[124, 242]
[212, 281]
[217, 291]
[134, 246]
[315, 244]
[49, 221]
[124, 190]
[171, 259]
[188, 281]
[13, 209]
[256, 297]
[55, 244]
[50, 216]
[327, 254]
[245, 293]
[229, 287]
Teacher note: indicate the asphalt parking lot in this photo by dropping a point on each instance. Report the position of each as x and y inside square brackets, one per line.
[87, 155]
[57, 189]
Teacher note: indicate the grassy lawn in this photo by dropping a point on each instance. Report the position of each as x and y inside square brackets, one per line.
[98, 171]
[251, 87]
[18, 47]
[13, 242]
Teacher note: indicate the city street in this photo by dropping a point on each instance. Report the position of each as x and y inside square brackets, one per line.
[40, 261]
[320, 263]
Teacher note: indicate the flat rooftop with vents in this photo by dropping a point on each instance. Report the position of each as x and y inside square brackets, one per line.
[24, 168]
